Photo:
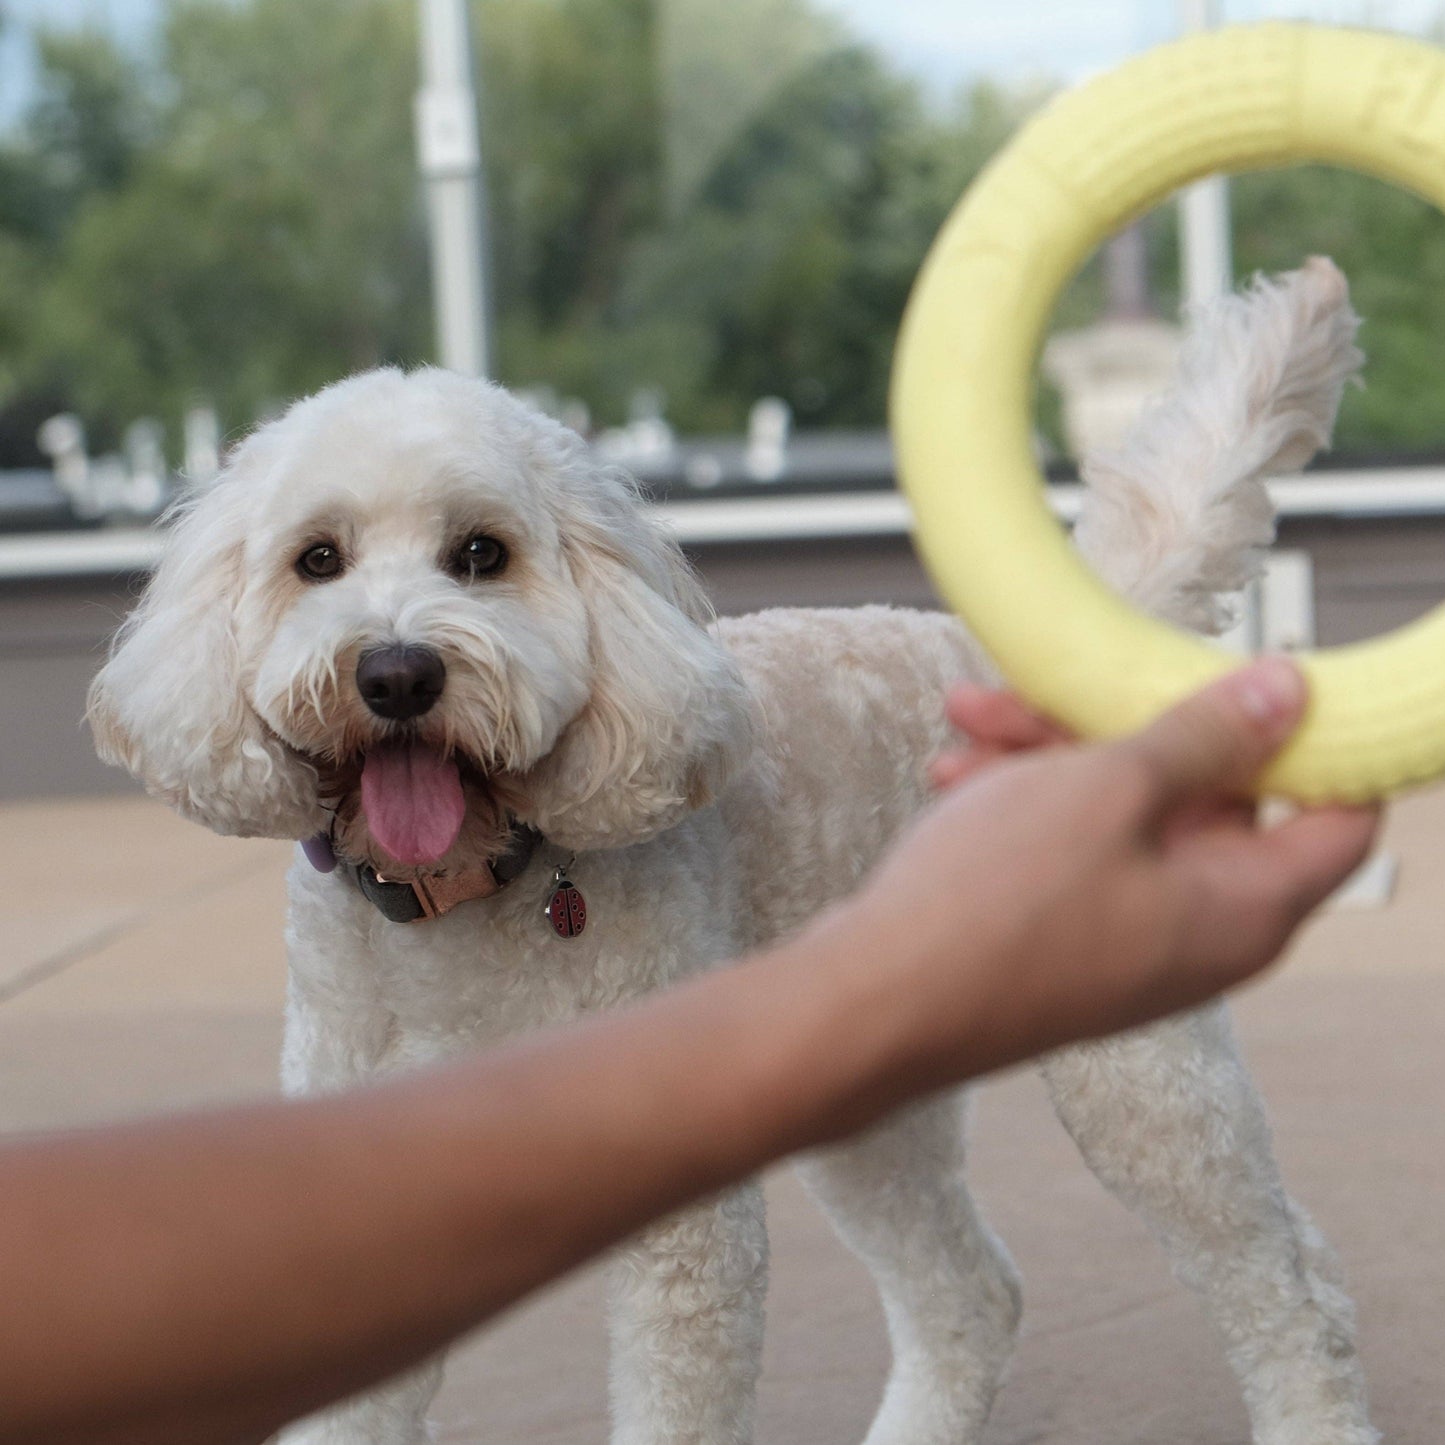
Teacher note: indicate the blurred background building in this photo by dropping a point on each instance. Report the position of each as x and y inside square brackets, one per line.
[694, 227]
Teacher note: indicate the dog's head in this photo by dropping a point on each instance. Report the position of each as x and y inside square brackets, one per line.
[416, 600]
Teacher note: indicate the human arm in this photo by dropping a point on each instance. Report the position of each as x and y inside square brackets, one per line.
[205, 1278]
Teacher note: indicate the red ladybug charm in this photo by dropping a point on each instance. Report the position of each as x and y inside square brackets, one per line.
[567, 908]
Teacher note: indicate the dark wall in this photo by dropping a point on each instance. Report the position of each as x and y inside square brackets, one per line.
[53, 636]
[1369, 577]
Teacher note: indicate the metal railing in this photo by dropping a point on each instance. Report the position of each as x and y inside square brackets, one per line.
[776, 517]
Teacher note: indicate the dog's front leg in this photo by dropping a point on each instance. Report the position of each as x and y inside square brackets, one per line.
[687, 1325]
[392, 1415]
[328, 1054]
[337, 1034]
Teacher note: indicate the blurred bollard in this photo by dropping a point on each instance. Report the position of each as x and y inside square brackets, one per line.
[62, 439]
[647, 440]
[769, 423]
[147, 482]
[108, 488]
[201, 463]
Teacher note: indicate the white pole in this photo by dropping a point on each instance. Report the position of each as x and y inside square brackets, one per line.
[1205, 262]
[449, 154]
[1206, 271]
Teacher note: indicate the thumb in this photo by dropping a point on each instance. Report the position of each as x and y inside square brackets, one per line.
[1218, 740]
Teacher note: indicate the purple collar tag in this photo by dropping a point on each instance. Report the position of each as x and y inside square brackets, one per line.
[319, 852]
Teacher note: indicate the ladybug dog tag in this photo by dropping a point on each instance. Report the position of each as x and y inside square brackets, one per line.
[567, 908]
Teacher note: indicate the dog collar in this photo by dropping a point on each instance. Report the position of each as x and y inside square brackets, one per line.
[409, 902]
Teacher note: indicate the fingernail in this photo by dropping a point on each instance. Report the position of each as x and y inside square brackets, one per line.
[1271, 691]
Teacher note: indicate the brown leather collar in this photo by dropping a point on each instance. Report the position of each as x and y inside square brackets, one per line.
[414, 900]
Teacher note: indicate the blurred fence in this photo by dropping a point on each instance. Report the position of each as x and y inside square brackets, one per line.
[1375, 544]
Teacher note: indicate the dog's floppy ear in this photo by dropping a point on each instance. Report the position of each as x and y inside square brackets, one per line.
[170, 705]
[668, 717]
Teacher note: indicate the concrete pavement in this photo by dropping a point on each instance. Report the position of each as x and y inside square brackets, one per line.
[141, 968]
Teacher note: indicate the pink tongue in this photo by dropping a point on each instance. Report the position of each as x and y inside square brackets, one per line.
[413, 801]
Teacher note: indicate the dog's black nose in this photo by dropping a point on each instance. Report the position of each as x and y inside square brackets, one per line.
[400, 682]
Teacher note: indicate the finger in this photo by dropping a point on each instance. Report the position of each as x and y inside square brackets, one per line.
[957, 765]
[1312, 853]
[1252, 890]
[948, 770]
[1218, 740]
[1207, 814]
[1001, 718]
[1265, 884]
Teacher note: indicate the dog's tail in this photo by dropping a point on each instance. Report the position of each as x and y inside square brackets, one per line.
[1178, 517]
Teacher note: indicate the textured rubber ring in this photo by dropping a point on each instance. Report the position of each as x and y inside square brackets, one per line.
[1239, 99]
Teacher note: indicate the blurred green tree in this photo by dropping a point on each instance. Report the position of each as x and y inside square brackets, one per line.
[1391, 246]
[83, 133]
[714, 202]
[267, 240]
[713, 209]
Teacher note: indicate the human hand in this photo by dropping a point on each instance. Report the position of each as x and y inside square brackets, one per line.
[1061, 891]
[997, 723]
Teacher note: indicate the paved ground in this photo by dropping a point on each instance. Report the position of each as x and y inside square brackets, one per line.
[141, 968]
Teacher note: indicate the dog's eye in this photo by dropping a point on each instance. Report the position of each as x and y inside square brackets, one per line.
[480, 556]
[320, 562]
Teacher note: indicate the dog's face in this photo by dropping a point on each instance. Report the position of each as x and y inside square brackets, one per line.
[416, 602]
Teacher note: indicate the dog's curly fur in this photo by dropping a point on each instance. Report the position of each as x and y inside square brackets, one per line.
[718, 782]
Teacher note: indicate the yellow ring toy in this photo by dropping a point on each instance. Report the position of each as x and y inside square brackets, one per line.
[1237, 99]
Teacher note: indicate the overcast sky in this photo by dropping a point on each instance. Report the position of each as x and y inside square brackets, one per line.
[943, 41]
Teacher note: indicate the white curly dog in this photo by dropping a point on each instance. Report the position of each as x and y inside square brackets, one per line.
[418, 625]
